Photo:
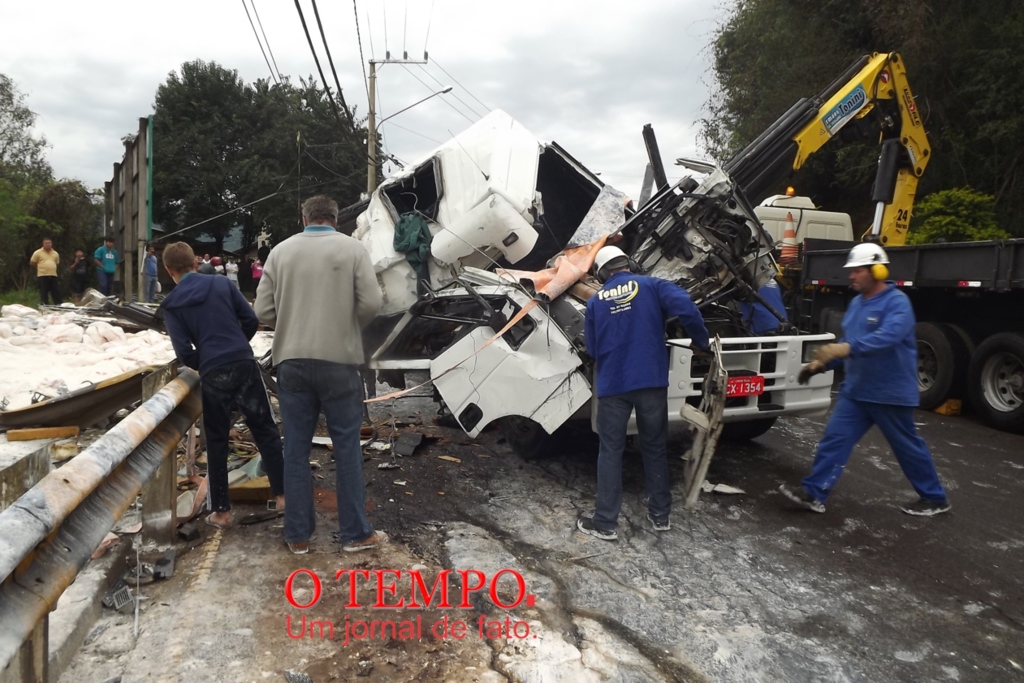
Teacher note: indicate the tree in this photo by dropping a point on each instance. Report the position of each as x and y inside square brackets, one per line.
[221, 145]
[962, 58]
[957, 215]
[21, 152]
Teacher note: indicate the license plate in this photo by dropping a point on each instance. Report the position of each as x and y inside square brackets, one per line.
[747, 385]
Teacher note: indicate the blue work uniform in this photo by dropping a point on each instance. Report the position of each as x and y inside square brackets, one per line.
[880, 387]
[625, 333]
[760, 321]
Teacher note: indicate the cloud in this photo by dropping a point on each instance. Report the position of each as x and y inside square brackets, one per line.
[588, 75]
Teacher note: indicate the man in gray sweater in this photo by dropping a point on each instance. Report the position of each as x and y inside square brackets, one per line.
[318, 292]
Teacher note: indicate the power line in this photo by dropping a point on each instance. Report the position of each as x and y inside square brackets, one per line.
[384, 6]
[327, 88]
[362, 60]
[260, 22]
[427, 86]
[330, 60]
[486, 108]
[464, 103]
[272, 75]
[409, 130]
[369, 33]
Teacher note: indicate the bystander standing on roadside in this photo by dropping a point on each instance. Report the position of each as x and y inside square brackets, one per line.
[231, 270]
[879, 353]
[79, 276]
[106, 259]
[45, 261]
[149, 271]
[210, 324]
[318, 291]
[257, 272]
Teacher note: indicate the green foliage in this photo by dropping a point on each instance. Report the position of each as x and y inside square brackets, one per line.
[21, 152]
[25, 297]
[963, 59]
[34, 206]
[220, 144]
[957, 215]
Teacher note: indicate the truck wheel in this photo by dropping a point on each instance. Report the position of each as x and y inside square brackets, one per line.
[997, 381]
[527, 438]
[745, 431]
[942, 359]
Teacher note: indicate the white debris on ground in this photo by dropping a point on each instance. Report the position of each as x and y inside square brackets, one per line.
[52, 353]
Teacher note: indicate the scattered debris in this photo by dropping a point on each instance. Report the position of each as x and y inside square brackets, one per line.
[399, 482]
[189, 532]
[448, 458]
[379, 446]
[296, 677]
[108, 542]
[257, 517]
[41, 433]
[391, 465]
[62, 451]
[408, 442]
[164, 567]
[708, 487]
[324, 441]
[117, 597]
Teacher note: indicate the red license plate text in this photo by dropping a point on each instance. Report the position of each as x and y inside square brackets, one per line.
[748, 385]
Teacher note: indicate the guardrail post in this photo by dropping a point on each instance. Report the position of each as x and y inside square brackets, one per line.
[159, 494]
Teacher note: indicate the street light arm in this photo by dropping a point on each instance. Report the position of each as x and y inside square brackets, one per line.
[439, 92]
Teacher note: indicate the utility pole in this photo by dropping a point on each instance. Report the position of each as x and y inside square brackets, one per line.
[371, 119]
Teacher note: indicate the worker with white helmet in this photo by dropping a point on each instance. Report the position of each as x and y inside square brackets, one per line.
[879, 353]
[625, 334]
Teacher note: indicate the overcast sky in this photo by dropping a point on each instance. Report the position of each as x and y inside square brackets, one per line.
[588, 75]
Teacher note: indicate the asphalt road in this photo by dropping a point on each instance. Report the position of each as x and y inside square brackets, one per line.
[743, 588]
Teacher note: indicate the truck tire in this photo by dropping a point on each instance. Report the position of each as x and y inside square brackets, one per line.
[745, 431]
[997, 381]
[942, 359]
[527, 438]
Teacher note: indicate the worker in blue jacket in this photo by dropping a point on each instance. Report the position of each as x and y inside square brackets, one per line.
[625, 334]
[879, 353]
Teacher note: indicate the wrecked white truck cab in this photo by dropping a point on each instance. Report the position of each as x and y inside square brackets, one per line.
[500, 347]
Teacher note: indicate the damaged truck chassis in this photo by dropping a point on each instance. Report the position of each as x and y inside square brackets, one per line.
[500, 347]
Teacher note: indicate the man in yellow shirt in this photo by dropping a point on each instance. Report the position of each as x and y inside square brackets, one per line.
[45, 261]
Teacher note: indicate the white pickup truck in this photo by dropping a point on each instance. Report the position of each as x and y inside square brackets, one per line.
[494, 197]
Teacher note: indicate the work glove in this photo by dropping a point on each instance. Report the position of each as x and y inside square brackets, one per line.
[812, 368]
[831, 352]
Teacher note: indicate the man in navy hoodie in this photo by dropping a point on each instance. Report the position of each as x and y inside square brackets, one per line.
[625, 333]
[210, 324]
[879, 352]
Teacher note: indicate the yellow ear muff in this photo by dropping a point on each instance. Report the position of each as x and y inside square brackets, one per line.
[879, 271]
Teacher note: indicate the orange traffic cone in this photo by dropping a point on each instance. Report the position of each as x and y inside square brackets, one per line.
[790, 250]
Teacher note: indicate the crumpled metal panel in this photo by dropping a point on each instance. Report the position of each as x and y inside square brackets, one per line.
[541, 380]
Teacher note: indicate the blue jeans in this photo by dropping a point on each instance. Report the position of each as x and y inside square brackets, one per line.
[652, 422]
[150, 288]
[105, 281]
[305, 386]
[850, 420]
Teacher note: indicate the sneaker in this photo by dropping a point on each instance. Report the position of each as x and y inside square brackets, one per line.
[925, 508]
[802, 498]
[372, 541]
[299, 548]
[660, 523]
[586, 525]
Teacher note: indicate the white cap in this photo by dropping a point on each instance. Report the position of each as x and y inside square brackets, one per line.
[608, 254]
[865, 254]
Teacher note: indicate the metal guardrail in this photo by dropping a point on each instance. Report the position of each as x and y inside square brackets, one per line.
[48, 535]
